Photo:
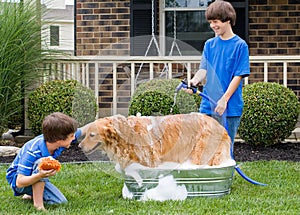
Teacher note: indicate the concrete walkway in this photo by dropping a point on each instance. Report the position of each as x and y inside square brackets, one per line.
[295, 136]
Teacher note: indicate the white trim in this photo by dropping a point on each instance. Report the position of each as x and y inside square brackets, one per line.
[68, 67]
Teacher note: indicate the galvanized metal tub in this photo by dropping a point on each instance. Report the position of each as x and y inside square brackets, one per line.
[202, 182]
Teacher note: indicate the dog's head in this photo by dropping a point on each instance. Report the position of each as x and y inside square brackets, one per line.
[98, 135]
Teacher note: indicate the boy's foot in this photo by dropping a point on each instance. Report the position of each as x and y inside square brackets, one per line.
[40, 208]
[26, 196]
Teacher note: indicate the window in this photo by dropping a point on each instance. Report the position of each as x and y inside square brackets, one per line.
[54, 35]
[181, 19]
[185, 21]
[187, 3]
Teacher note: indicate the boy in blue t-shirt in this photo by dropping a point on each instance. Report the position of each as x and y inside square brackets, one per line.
[23, 175]
[224, 63]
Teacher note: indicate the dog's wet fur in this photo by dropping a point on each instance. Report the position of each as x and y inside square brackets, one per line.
[153, 140]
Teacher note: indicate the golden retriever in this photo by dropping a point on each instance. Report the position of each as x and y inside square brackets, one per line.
[152, 140]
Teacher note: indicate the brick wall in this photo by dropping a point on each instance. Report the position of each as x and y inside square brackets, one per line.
[274, 29]
[103, 27]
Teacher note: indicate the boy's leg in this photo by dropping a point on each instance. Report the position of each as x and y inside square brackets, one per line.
[233, 125]
[38, 192]
[52, 194]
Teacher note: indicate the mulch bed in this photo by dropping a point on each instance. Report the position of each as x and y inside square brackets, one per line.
[289, 151]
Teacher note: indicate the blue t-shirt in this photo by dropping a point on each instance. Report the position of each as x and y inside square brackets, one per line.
[223, 60]
[28, 155]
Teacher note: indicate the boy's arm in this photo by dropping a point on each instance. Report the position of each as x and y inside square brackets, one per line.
[80, 132]
[222, 103]
[198, 77]
[24, 181]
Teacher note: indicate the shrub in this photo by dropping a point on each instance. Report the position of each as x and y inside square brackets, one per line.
[270, 113]
[156, 97]
[69, 97]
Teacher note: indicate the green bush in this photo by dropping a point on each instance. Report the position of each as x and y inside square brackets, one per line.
[69, 97]
[156, 97]
[270, 113]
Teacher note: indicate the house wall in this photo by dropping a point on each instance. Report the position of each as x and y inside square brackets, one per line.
[61, 15]
[274, 29]
[103, 28]
[66, 31]
[54, 4]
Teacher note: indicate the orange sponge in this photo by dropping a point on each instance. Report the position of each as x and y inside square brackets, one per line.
[48, 163]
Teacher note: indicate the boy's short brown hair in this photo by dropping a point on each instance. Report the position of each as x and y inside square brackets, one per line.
[58, 126]
[221, 10]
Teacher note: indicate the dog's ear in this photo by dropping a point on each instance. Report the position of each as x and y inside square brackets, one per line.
[109, 132]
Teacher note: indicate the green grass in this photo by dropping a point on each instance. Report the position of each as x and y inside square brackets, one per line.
[94, 188]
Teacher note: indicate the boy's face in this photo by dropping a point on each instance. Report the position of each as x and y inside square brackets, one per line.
[67, 142]
[220, 28]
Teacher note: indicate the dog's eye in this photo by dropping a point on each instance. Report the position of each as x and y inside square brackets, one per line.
[92, 134]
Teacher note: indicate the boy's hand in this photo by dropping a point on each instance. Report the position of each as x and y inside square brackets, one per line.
[187, 90]
[47, 173]
[191, 82]
[221, 105]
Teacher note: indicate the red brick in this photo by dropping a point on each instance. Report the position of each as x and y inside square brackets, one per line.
[271, 2]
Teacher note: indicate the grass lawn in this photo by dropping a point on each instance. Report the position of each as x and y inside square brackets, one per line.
[94, 188]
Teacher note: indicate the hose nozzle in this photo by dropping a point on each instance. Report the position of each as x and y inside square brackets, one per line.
[184, 84]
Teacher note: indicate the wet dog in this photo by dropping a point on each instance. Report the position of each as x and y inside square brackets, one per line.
[152, 140]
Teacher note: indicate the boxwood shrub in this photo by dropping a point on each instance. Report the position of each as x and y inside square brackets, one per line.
[156, 97]
[69, 97]
[270, 113]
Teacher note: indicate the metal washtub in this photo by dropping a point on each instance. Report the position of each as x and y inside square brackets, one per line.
[202, 182]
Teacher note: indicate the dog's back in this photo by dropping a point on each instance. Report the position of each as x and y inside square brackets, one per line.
[175, 138]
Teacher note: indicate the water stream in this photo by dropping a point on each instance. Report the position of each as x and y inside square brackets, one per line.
[175, 95]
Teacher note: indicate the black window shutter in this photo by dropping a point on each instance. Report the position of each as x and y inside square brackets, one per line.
[242, 18]
[141, 27]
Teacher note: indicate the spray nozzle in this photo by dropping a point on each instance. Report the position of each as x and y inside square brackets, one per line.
[184, 84]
